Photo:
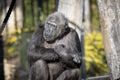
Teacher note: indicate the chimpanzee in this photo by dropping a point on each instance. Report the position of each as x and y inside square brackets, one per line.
[54, 51]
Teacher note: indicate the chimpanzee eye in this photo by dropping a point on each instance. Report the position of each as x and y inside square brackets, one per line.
[53, 25]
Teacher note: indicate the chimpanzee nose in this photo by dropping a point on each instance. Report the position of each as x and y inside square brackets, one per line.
[47, 34]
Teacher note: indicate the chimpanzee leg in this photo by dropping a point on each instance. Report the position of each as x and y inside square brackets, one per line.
[39, 71]
[72, 74]
[55, 70]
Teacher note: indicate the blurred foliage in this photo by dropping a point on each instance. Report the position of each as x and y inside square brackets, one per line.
[94, 15]
[39, 13]
[93, 2]
[16, 46]
[45, 12]
[95, 56]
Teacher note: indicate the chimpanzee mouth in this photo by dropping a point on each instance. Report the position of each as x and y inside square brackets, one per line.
[49, 39]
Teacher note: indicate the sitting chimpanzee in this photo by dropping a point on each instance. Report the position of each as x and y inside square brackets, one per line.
[54, 51]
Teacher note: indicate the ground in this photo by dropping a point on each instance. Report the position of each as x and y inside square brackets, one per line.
[13, 71]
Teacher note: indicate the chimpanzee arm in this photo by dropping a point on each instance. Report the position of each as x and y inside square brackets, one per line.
[70, 53]
[36, 49]
[68, 57]
[76, 49]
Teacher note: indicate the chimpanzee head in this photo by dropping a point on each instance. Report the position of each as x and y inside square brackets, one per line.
[54, 26]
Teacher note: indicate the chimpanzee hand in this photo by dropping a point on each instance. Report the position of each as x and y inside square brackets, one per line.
[60, 49]
[76, 58]
[62, 52]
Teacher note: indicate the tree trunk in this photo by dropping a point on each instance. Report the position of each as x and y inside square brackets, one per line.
[87, 22]
[73, 11]
[109, 11]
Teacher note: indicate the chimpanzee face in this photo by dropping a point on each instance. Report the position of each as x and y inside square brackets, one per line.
[54, 27]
